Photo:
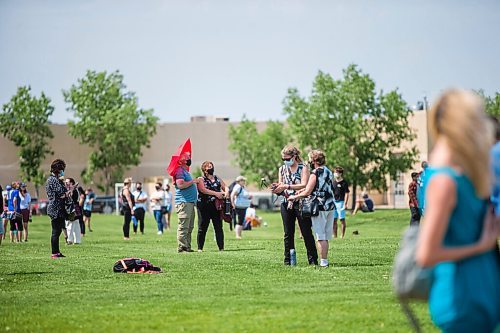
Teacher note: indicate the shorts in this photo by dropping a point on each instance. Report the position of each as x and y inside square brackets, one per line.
[26, 215]
[87, 213]
[16, 223]
[339, 210]
[322, 225]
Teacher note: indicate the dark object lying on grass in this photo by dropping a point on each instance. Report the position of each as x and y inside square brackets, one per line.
[355, 232]
[135, 265]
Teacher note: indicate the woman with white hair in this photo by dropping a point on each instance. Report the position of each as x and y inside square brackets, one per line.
[458, 237]
[240, 200]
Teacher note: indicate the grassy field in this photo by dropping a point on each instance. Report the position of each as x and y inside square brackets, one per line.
[243, 289]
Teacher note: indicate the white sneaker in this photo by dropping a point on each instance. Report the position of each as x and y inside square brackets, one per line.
[160, 233]
[323, 263]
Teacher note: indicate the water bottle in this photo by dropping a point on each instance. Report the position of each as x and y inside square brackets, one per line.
[293, 258]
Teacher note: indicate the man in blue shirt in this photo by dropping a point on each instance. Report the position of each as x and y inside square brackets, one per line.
[495, 168]
[14, 206]
[186, 195]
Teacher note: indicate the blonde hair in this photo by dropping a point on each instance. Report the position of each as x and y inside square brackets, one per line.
[204, 166]
[317, 156]
[458, 117]
[292, 151]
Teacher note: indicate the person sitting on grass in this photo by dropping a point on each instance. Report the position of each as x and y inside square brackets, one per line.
[364, 203]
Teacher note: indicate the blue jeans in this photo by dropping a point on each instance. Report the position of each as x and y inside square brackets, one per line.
[159, 219]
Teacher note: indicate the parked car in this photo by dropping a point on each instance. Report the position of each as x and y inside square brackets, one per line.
[266, 200]
[42, 206]
[104, 204]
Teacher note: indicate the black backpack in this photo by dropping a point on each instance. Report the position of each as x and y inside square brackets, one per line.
[135, 265]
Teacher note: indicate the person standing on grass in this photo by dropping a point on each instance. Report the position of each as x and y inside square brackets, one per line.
[210, 187]
[5, 200]
[240, 200]
[128, 203]
[87, 207]
[412, 194]
[56, 193]
[25, 204]
[420, 188]
[16, 226]
[186, 196]
[459, 235]
[320, 184]
[157, 200]
[341, 195]
[141, 202]
[81, 201]
[292, 177]
[73, 227]
[167, 207]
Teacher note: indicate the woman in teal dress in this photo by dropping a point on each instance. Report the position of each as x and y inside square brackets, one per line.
[459, 234]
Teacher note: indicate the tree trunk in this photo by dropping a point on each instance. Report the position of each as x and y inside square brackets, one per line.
[354, 198]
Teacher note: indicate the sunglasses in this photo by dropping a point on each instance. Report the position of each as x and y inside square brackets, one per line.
[286, 159]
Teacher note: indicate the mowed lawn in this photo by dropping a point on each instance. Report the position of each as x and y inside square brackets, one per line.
[246, 288]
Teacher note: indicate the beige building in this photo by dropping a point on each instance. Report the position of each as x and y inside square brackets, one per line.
[209, 137]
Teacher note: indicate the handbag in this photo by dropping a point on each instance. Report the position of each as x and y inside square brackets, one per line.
[409, 280]
[224, 207]
[309, 206]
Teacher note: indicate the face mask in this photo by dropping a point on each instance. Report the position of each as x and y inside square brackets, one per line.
[311, 165]
[188, 162]
[61, 174]
[288, 163]
[157, 188]
[336, 175]
[210, 171]
[139, 188]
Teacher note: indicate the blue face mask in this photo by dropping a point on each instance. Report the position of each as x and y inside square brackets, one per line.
[288, 163]
[61, 174]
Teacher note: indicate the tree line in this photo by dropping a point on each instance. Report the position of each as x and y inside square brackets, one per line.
[358, 127]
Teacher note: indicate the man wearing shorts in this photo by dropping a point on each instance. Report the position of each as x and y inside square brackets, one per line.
[341, 196]
[16, 220]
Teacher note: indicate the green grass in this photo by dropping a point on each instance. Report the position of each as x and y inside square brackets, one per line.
[243, 289]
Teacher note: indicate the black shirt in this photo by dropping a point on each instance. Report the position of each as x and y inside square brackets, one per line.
[215, 186]
[340, 188]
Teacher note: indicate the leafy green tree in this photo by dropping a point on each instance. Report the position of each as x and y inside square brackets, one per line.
[24, 121]
[359, 129]
[491, 103]
[258, 153]
[109, 120]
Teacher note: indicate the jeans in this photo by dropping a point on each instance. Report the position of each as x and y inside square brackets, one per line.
[207, 212]
[159, 219]
[139, 215]
[415, 216]
[289, 216]
[57, 226]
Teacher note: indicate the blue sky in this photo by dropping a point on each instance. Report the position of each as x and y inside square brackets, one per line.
[186, 58]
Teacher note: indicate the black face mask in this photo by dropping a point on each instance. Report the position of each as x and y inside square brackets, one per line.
[188, 162]
[157, 188]
[210, 171]
[139, 188]
[311, 165]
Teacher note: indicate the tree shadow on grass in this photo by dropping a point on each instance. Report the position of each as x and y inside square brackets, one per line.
[27, 273]
[250, 249]
[358, 264]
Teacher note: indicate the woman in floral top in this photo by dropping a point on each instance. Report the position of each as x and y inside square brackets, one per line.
[56, 192]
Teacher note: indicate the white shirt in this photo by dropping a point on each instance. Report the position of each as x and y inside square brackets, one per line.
[140, 195]
[160, 196]
[168, 199]
[25, 201]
